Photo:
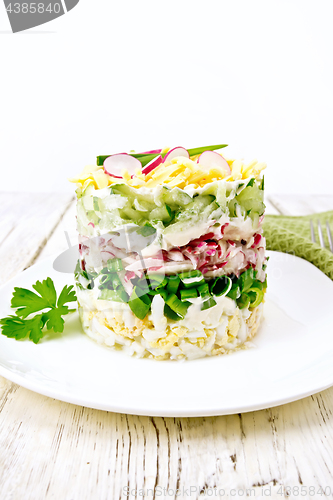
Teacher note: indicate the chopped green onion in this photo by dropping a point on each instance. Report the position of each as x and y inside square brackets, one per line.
[188, 293]
[105, 279]
[246, 280]
[110, 280]
[193, 273]
[208, 304]
[157, 281]
[115, 265]
[264, 284]
[143, 285]
[221, 286]
[256, 295]
[159, 291]
[158, 278]
[173, 283]
[243, 301]
[251, 182]
[169, 313]
[192, 278]
[257, 284]
[177, 306]
[234, 292]
[114, 295]
[139, 305]
[163, 293]
[203, 290]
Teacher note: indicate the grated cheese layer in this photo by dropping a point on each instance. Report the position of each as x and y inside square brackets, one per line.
[180, 172]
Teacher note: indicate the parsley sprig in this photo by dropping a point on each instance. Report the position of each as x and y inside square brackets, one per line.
[27, 302]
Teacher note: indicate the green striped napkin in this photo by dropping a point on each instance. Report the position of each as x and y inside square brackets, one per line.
[291, 234]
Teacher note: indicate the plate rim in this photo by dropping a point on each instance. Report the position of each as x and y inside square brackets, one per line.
[65, 396]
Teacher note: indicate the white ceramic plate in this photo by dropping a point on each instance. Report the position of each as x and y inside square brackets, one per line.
[292, 358]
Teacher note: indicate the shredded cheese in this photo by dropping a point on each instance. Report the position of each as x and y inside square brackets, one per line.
[180, 172]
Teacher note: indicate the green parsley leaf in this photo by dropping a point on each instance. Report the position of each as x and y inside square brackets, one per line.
[26, 302]
[47, 291]
[67, 295]
[29, 302]
[54, 319]
[18, 328]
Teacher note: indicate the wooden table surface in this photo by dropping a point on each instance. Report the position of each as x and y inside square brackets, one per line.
[55, 450]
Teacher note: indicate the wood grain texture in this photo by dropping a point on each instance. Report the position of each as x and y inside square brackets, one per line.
[26, 222]
[301, 205]
[55, 450]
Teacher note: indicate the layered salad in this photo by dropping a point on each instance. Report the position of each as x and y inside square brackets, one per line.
[172, 256]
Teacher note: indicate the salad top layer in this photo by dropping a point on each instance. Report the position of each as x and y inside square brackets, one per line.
[171, 168]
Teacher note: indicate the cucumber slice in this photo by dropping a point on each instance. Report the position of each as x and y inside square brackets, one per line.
[221, 198]
[130, 213]
[196, 206]
[122, 189]
[163, 213]
[255, 217]
[93, 217]
[98, 204]
[191, 217]
[142, 205]
[88, 202]
[202, 200]
[232, 207]
[176, 197]
[82, 213]
[88, 190]
[251, 198]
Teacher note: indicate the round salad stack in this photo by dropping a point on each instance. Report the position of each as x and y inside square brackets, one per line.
[172, 257]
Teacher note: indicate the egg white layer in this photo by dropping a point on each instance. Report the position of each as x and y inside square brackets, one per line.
[221, 329]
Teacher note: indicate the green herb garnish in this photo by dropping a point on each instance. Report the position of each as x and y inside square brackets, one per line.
[26, 303]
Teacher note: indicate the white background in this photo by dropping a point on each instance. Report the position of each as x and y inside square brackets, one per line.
[111, 76]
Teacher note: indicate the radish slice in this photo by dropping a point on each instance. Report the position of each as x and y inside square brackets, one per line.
[152, 152]
[211, 159]
[114, 164]
[179, 151]
[153, 164]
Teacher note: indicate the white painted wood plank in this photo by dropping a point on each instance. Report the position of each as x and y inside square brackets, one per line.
[64, 235]
[57, 450]
[32, 218]
[270, 208]
[301, 205]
